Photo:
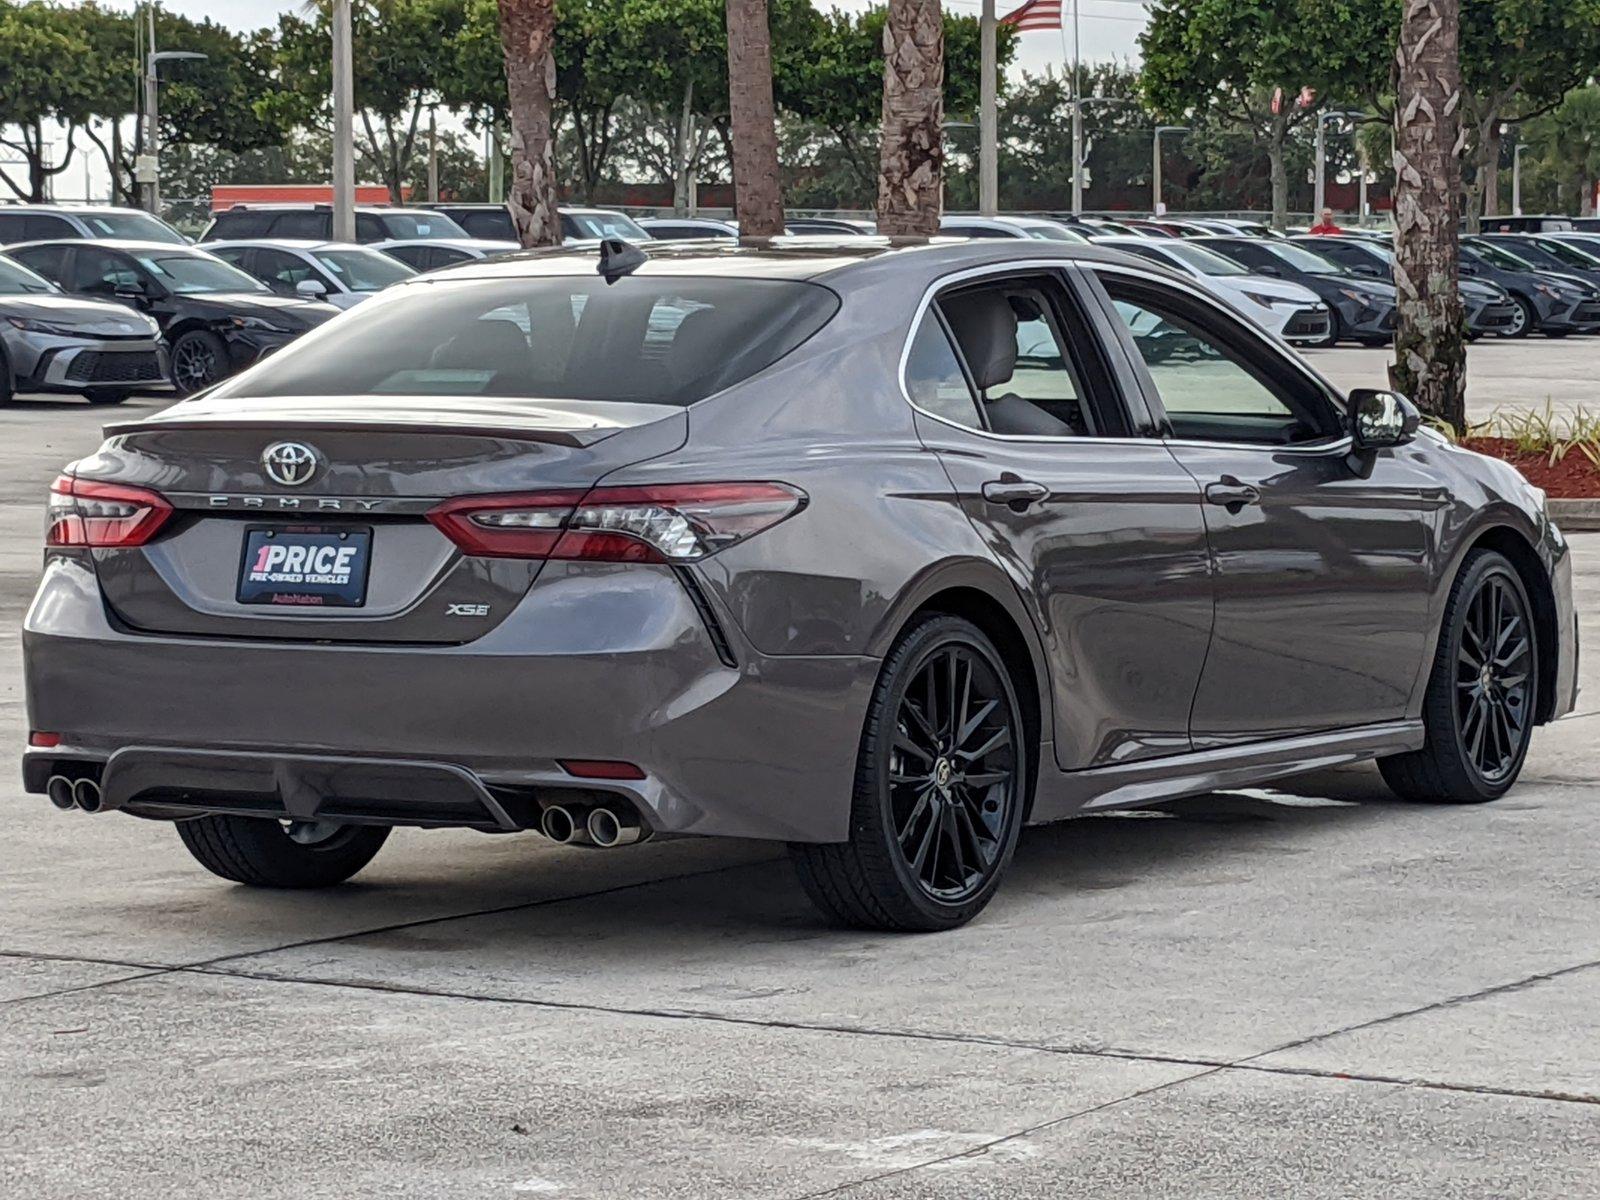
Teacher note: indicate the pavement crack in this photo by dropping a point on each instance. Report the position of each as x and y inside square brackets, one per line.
[984, 1148]
[152, 970]
[1448, 1002]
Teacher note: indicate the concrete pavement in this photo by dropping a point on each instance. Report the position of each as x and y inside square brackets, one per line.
[1309, 990]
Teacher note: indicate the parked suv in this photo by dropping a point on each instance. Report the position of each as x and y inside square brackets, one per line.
[47, 222]
[314, 222]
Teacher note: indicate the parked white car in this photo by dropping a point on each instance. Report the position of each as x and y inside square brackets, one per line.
[1294, 313]
[342, 273]
[1039, 228]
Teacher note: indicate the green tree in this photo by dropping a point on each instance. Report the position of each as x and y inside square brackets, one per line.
[400, 49]
[37, 85]
[1560, 171]
[1232, 62]
[1519, 59]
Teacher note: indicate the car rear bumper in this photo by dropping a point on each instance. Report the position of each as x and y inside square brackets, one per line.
[596, 663]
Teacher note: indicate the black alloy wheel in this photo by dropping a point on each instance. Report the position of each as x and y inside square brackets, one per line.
[1494, 666]
[951, 780]
[1482, 696]
[199, 359]
[941, 788]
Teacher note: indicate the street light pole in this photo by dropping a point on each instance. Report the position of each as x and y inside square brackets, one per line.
[344, 127]
[1077, 117]
[1516, 178]
[1320, 188]
[152, 194]
[988, 120]
[147, 169]
[1155, 167]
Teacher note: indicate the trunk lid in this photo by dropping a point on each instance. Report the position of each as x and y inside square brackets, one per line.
[378, 465]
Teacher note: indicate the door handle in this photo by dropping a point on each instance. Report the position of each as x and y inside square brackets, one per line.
[1018, 493]
[1232, 494]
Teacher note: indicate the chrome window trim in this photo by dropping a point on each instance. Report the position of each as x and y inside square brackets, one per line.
[1341, 445]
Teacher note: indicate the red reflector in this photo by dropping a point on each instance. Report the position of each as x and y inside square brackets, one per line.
[44, 740]
[600, 768]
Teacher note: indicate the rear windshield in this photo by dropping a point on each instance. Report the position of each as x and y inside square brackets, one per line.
[642, 340]
[403, 226]
[135, 226]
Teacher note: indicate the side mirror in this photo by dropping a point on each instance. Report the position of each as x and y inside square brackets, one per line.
[130, 291]
[312, 289]
[1271, 271]
[1367, 269]
[1380, 418]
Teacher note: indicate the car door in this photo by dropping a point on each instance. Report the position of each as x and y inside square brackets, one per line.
[1099, 529]
[1321, 555]
[98, 270]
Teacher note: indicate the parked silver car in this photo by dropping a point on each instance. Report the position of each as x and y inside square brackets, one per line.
[882, 551]
[50, 342]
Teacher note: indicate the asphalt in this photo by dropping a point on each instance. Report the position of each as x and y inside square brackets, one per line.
[1310, 990]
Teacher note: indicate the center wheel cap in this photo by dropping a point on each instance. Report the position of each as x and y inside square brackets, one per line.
[942, 773]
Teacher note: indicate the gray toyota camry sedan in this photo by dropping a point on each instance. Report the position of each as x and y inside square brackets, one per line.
[883, 551]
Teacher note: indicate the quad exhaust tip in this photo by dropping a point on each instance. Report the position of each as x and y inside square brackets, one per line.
[59, 789]
[86, 795]
[558, 823]
[608, 828]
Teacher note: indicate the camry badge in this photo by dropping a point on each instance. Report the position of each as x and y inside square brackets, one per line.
[289, 463]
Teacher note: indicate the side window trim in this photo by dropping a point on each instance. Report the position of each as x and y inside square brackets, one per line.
[1126, 395]
[1258, 344]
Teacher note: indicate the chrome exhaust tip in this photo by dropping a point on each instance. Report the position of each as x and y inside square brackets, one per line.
[86, 795]
[557, 824]
[608, 828]
[59, 789]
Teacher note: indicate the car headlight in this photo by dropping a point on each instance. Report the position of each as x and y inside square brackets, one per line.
[30, 325]
[260, 324]
[1273, 301]
[1358, 297]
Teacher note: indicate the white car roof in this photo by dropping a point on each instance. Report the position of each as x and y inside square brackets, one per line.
[285, 244]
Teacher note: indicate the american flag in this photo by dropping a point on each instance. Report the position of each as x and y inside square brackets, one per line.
[1035, 14]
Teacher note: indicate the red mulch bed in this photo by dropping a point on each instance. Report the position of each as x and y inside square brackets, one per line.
[1573, 478]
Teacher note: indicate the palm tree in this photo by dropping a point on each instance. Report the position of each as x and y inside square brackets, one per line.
[1430, 349]
[911, 154]
[757, 191]
[528, 34]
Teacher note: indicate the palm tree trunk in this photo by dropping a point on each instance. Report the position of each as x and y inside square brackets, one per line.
[757, 191]
[1277, 134]
[1430, 350]
[527, 32]
[911, 156]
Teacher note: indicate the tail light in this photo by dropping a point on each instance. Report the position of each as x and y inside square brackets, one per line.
[668, 523]
[84, 512]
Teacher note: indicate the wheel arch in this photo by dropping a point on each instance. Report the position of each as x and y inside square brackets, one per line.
[1515, 547]
[979, 595]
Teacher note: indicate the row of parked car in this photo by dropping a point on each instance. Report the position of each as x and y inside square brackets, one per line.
[104, 301]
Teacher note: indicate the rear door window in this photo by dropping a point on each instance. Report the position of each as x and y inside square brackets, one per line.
[13, 228]
[239, 223]
[303, 224]
[49, 261]
[41, 227]
[641, 340]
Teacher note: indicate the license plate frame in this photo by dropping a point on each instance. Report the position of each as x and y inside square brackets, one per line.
[288, 583]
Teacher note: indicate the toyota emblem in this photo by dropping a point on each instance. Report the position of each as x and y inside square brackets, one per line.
[289, 463]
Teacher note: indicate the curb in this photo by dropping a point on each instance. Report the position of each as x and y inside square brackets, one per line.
[1576, 516]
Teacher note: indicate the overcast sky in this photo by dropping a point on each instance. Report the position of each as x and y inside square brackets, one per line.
[1108, 29]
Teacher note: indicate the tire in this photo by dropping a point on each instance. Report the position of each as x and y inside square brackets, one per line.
[1467, 758]
[928, 844]
[261, 852]
[1555, 333]
[1335, 329]
[7, 387]
[1524, 321]
[199, 359]
[106, 396]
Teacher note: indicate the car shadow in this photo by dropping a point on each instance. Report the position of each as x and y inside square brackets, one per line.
[719, 903]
